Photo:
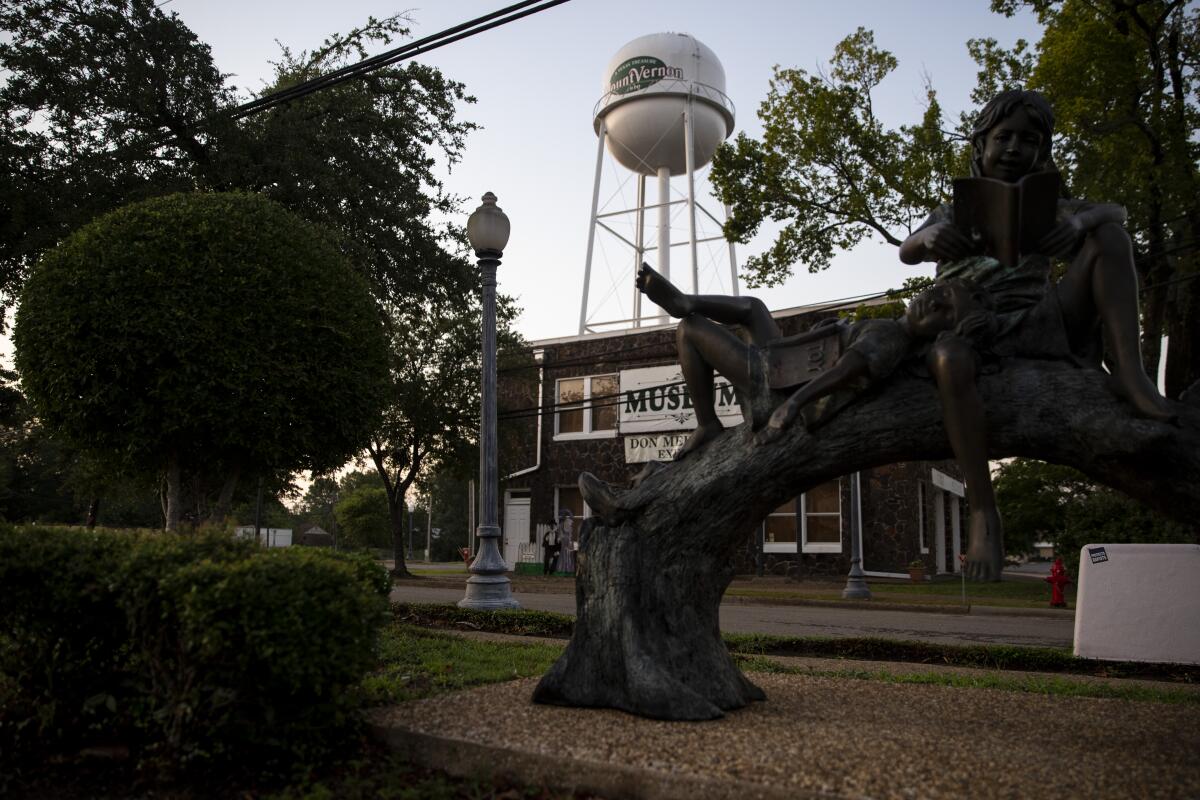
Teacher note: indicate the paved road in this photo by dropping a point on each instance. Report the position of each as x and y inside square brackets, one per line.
[824, 621]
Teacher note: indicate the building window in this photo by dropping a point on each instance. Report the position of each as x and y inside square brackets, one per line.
[568, 497]
[812, 521]
[822, 518]
[577, 416]
[780, 529]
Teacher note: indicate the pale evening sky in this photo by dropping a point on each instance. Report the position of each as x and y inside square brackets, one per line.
[538, 79]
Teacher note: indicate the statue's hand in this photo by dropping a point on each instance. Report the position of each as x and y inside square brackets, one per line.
[945, 242]
[1062, 241]
[781, 420]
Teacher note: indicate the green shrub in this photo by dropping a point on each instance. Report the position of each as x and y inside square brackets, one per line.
[195, 650]
[64, 634]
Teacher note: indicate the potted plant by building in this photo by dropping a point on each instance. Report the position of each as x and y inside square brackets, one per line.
[916, 570]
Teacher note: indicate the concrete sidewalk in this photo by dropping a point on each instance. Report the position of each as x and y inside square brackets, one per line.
[821, 619]
[816, 737]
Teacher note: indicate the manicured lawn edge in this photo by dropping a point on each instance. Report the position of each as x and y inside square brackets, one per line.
[996, 657]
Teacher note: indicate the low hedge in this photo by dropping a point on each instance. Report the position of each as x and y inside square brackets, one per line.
[191, 650]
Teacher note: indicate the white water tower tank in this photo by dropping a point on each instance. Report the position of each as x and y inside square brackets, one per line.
[646, 88]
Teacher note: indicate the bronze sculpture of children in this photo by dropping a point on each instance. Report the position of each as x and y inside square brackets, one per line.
[1036, 319]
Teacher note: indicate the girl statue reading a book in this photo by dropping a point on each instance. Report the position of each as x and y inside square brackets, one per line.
[1036, 318]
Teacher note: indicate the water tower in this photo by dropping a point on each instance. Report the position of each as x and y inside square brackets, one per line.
[662, 114]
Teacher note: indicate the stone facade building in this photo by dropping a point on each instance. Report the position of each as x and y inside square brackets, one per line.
[607, 403]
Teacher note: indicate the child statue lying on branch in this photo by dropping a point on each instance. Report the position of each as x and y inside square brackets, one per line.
[776, 376]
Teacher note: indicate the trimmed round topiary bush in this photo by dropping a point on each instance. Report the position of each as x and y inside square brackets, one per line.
[204, 333]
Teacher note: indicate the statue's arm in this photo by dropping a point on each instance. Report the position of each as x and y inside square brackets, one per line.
[936, 240]
[1076, 219]
[1093, 215]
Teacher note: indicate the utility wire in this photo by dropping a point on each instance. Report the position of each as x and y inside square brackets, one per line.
[448, 36]
[405, 51]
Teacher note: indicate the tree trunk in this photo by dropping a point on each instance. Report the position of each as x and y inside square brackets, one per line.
[174, 493]
[93, 511]
[647, 639]
[648, 589]
[224, 506]
[396, 511]
[1183, 357]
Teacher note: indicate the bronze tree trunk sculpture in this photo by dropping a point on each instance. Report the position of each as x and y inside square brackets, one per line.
[648, 589]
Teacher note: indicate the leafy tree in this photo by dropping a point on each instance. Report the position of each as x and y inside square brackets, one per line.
[1107, 516]
[353, 480]
[110, 101]
[1121, 77]
[445, 489]
[363, 520]
[827, 167]
[1041, 501]
[357, 157]
[207, 334]
[434, 394]
[1034, 498]
[318, 502]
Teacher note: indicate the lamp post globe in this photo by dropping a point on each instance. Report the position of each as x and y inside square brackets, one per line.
[488, 229]
[488, 587]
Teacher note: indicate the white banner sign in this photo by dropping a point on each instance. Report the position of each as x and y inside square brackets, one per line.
[655, 399]
[653, 447]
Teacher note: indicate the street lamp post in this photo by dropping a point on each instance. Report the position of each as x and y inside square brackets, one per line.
[856, 583]
[488, 587]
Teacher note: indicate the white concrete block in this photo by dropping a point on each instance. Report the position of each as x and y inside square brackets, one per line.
[1139, 602]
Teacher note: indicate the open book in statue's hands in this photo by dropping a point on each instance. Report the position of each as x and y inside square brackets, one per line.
[1006, 220]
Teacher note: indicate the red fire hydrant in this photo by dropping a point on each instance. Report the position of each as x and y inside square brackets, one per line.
[1058, 581]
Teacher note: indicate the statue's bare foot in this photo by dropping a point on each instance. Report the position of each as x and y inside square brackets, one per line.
[664, 293]
[1138, 390]
[985, 546]
[700, 437]
[602, 499]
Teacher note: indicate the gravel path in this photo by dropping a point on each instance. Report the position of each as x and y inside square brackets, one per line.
[819, 737]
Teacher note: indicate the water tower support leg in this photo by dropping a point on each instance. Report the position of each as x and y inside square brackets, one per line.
[587, 264]
[664, 228]
[689, 160]
[639, 251]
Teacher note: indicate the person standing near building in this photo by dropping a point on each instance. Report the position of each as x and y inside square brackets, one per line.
[566, 542]
[550, 547]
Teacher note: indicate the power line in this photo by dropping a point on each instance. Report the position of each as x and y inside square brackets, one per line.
[579, 405]
[448, 36]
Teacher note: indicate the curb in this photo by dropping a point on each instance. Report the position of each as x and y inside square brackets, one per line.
[871, 605]
[612, 781]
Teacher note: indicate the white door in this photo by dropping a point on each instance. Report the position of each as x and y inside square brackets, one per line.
[939, 529]
[956, 532]
[516, 528]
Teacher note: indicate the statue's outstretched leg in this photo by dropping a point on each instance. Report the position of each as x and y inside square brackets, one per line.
[1102, 283]
[605, 501]
[705, 345]
[954, 366]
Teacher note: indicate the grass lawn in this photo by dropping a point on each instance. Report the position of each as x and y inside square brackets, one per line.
[416, 661]
[1008, 593]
